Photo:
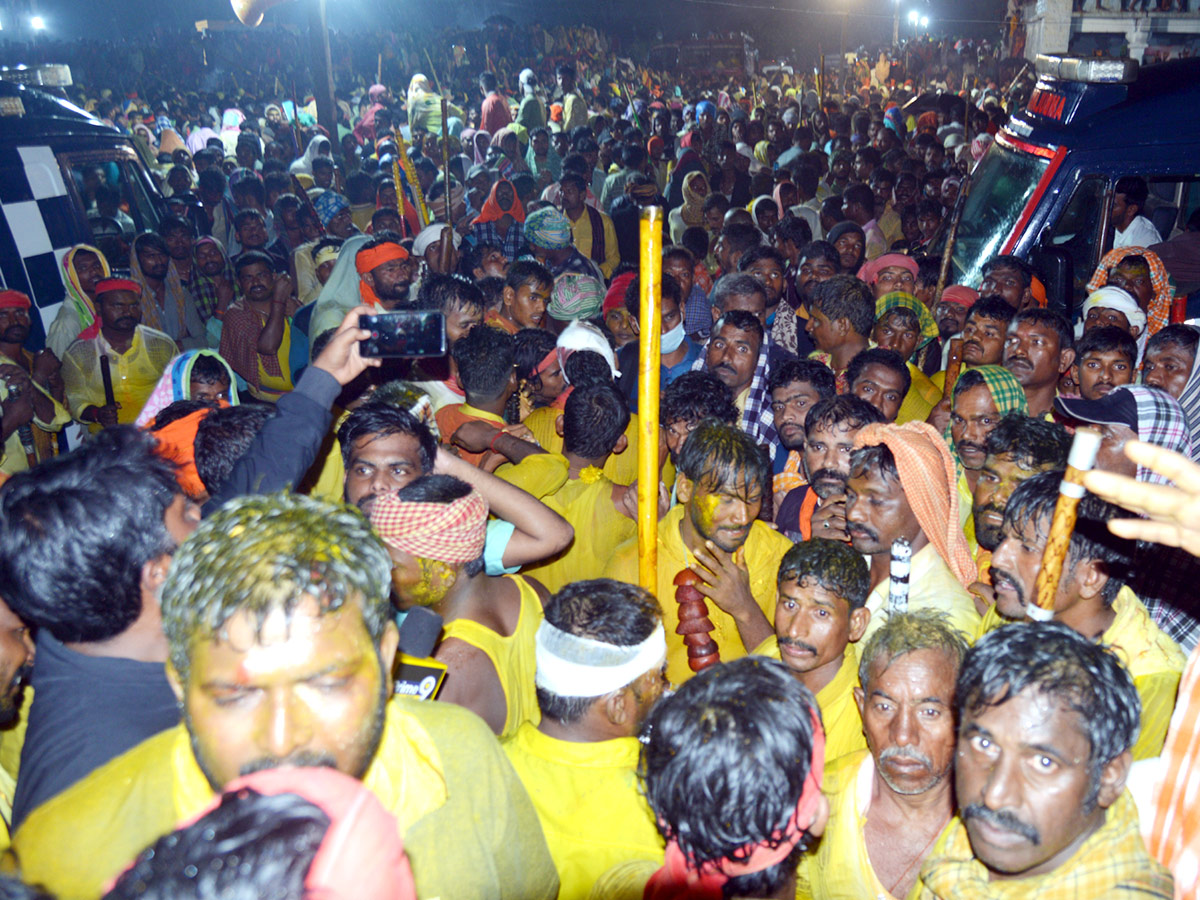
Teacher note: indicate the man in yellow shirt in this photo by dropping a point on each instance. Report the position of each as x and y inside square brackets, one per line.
[601, 654]
[435, 529]
[592, 231]
[714, 533]
[887, 807]
[819, 613]
[902, 486]
[1092, 595]
[602, 513]
[1046, 721]
[31, 393]
[136, 354]
[280, 603]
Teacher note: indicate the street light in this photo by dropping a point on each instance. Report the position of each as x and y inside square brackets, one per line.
[924, 21]
[914, 17]
[37, 23]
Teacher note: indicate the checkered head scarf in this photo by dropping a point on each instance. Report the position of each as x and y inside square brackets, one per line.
[1160, 421]
[447, 532]
[1158, 316]
[1007, 396]
[901, 300]
[928, 479]
[328, 204]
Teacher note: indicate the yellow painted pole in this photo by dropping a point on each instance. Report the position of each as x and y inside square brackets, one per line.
[649, 360]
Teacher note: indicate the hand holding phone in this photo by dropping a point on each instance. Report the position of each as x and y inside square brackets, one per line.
[404, 333]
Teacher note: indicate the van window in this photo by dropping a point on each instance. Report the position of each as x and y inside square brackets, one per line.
[115, 200]
[1000, 187]
[1080, 229]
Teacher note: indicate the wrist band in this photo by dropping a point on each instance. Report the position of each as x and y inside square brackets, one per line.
[492, 444]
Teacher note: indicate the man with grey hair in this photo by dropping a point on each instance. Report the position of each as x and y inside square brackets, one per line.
[888, 804]
[601, 667]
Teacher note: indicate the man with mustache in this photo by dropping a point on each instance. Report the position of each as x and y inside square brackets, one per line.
[137, 356]
[983, 335]
[796, 387]
[281, 643]
[818, 507]
[1092, 597]
[1046, 722]
[1105, 358]
[31, 390]
[887, 806]
[1039, 348]
[901, 485]
[819, 613]
[735, 355]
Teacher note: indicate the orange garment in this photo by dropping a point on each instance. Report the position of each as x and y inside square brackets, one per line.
[450, 417]
[1174, 836]
[929, 480]
[495, 320]
[492, 212]
[807, 508]
[792, 475]
[176, 442]
[368, 259]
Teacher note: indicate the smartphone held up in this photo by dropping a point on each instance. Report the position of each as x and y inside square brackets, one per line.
[404, 333]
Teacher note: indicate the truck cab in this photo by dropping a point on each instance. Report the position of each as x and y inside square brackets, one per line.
[65, 178]
[1044, 190]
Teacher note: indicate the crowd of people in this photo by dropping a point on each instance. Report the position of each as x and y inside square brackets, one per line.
[212, 608]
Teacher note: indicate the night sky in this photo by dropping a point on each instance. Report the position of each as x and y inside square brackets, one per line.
[780, 25]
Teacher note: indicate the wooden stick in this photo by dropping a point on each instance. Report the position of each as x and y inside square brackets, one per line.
[1070, 491]
[411, 174]
[649, 363]
[398, 182]
[953, 366]
[951, 239]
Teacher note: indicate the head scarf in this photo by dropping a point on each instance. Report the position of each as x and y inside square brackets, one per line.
[369, 258]
[527, 80]
[552, 162]
[447, 532]
[204, 287]
[692, 211]
[929, 480]
[176, 442]
[844, 228]
[681, 879]
[175, 295]
[641, 193]
[979, 145]
[14, 300]
[430, 235]
[754, 204]
[960, 294]
[869, 271]
[175, 384]
[575, 297]
[361, 856]
[1007, 396]
[901, 300]
[89, 323]
[585, 336]
[341, 292]
[615, 296]
[328, 204]
[1158, 316]
[1161, 421]
[303, 166]
[479, 153]
[760, 154]
[492, 212]
[705, 106]
[548, 229]
[1189, 400]
[231, 121]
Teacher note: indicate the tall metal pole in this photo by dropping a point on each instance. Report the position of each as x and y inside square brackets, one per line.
[322, 69]
[896, 26]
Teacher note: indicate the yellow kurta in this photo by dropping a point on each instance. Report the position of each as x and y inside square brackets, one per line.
[966, 517]
[512, 656]
[764, 548]
[12, 454]
[920, 400]
[931, 586]
[134, 372]
[581, 236]
[468, 827]
[587, 798]
[840, 866]
[839, 712]
[585, 502]
[619, 468]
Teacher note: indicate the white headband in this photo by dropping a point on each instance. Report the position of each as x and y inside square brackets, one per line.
[573, 666]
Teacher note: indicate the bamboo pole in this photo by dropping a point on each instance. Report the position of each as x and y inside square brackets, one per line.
[649, 361]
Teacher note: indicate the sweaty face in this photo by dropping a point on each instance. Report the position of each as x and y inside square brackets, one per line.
[392, 280]
[882, 387]
[813, 626]
[1099, 371]
[732, 356]
[951, 317]
[998, 478]
[877, 512]
[620, 323]
[305, 692]
[1032, 354]
[1006, 283]
[1024, 784]
[894, 278]
[257, 282]
[899, 331]
[722, 515]
[459, 322]
[790, 405]
[972, 419]
[983, 341]
[1135, 279]
[908, 719]
[827, 458]
[1168, 367]
[1099, 316]
[526, 304]
[1015, 565]
[381, 465]
[16, 660]
[121, 310]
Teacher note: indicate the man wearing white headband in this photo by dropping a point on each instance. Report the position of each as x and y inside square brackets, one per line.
[601, 664]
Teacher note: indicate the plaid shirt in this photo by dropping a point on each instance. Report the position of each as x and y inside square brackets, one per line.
[513, 243]
[1112, 862]
[697, 313]
[758, 420]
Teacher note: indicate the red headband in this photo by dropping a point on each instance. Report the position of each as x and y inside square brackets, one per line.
[104, 285]
[13, 300]
[678, 878]
[546, 360]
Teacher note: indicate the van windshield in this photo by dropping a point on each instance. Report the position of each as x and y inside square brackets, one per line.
[1000, 188]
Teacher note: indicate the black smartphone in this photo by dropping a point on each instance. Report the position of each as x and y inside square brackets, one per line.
[404, 333]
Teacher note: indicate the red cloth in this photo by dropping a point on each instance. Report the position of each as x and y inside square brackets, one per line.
[13, 300]
[615, 296]
[117, 284]
[492, 211]
[368, 259]
[494, 113]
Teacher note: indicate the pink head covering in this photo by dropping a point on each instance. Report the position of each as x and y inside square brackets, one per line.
[869, 271]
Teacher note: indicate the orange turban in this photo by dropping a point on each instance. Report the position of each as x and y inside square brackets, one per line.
[370, 258]
[929, 480]
[448, 532]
